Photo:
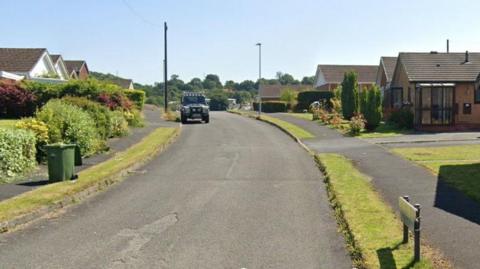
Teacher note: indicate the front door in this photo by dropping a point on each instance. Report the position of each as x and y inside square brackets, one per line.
[434, 105]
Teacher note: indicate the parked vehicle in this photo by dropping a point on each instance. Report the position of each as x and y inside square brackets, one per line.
[194, 106]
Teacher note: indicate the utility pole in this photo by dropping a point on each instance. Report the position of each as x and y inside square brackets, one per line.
[165, 78]
[259, 76]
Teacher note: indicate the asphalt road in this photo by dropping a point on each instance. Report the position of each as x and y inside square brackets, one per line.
[235, 193]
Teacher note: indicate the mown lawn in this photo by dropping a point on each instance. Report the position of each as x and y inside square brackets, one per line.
[376, 230]
[100, 175]
[7, 123]
[291, 128]
[305, 116]
[384, 130]
[458, 166]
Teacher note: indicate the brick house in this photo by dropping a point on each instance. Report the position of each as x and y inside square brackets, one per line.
[77, 69]
[441, 89]
[329, 77]
[385, 72]
[60, 67]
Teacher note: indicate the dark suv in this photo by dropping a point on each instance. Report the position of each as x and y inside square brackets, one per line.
[194, 106]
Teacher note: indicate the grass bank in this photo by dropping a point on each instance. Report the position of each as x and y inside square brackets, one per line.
[8, 123]
[458, 166]
[96, 177]
[371, 229]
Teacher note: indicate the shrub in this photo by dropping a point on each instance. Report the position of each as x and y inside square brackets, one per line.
[289, 97]
[134, 118]
[15, 101]
[372, 108]
[403, 118]
[137, 97]
[115, 101]
[357, 124]
[335, 120]
[100, 114]
[305, 99]
[40, 129]
[271, 106]
[17, 152]
[218, 101]
[349, 95]
[119, 124]
[70, 124]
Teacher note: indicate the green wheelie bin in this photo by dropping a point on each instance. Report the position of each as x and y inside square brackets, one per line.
[61, 162]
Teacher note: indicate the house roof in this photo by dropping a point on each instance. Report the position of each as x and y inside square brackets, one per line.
[388, 64]
[122, 82]
[335, 73]
[440, 67]
[275, 91]
[74, 65]
[55, 57]
[19, 60]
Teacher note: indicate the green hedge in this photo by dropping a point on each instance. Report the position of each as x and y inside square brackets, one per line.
[70, 124]
[403, 118]
[305, 99]
[271, 106]
[17, 152]
[137, 97]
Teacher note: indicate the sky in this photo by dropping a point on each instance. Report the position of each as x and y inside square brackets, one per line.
[125, 37]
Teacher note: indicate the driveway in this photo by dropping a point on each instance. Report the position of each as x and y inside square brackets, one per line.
[235, 193]
[450, 220]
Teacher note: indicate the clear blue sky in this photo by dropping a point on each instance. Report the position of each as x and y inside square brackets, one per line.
[216, 36]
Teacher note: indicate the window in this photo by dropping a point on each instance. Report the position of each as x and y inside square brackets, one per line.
[396, 97]
[477, 95]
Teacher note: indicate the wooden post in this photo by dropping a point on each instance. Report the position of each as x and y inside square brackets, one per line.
[416, 257]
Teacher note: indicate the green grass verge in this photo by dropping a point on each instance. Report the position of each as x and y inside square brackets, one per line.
[291, 128]
[8, 123]
[458, 166]
[372, 230]
[99, 175]
[305, 116]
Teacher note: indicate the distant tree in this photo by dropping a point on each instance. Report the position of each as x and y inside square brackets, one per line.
[350, 95]
[218, 100]
[242, 97]
[246, 85]
[196, 84]
[230, 84]
[287, 79]
[289, 96]
[308, 80]
[211, 82]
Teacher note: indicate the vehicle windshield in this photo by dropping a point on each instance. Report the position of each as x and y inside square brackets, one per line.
[187, 100]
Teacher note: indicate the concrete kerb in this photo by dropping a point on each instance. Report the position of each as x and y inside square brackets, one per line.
[70, 200]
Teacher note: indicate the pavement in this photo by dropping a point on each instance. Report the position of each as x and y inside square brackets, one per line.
[40, 176]
[235, 193]
[421, 138]
[450, 220]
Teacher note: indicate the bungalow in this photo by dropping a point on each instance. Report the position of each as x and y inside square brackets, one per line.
[77, 69]
[59, 64]
[384, 78]
[274, 92]
[441, 89]
[123, 83]
[27, 62]
[329, 77]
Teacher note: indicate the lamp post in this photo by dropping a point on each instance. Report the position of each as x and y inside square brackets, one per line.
[259, 76]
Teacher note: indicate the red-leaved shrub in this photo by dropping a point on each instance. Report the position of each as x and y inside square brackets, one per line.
[115, 101]
[15, 102]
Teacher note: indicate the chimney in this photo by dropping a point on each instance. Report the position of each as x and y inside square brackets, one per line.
[448, 46]
[467, 58]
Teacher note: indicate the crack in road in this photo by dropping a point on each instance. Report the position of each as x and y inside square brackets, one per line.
[139, 237]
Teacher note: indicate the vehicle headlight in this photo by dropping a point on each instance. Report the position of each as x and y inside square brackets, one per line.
[205, 109]
[186, 109]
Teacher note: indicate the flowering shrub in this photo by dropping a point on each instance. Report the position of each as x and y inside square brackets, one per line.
[15, 101]
[70, 124]
[134, 118]
[40, 129]
[357, 124]
[335, 120]
[17, 152]
[115, 101]
[118, 124]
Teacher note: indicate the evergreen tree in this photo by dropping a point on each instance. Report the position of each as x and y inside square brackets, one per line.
[349, 95]
[373, 109]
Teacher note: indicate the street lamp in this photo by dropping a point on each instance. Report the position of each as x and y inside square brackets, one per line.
[259, 76]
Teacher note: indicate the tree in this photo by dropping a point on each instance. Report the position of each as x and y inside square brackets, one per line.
[242, 97]
[349, 95]
[211, 82]
[308, 80]
[218, 101]
[287, 79]
[230, 84]
[246, 85]
[196, 84]
[289, 96]
[372, 107]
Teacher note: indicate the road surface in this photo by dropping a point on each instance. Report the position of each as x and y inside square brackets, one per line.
[235, 193]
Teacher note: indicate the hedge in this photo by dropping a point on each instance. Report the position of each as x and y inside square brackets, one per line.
[15, 101]
[17, 152]
[271, 106]
[70, 124]
[305, 99]
[137, 97]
